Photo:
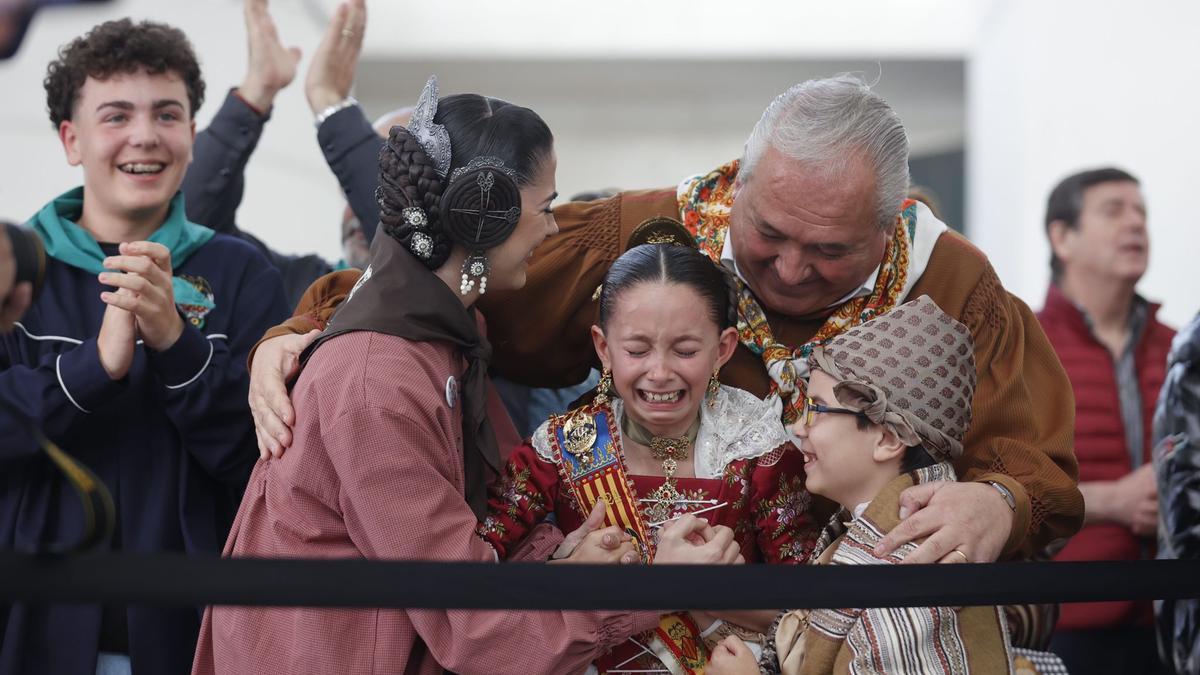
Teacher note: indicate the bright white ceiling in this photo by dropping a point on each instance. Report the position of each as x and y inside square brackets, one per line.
[688, 29]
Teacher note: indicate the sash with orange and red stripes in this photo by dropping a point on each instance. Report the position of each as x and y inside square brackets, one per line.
[592, 467]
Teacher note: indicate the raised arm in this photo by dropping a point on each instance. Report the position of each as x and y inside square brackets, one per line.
[350, 145]
[215, 180]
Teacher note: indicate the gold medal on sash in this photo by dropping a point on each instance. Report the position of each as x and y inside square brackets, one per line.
[579, 435]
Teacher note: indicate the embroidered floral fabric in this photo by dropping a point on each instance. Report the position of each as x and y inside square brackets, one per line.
[752, 467]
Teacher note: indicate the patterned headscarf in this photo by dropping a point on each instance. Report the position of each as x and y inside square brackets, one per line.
[912, 369]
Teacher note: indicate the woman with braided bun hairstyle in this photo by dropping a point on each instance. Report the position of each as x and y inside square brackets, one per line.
[392, 450]
[512, 150]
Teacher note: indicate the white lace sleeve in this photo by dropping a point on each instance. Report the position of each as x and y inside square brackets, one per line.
[541, 442]
[738, 426]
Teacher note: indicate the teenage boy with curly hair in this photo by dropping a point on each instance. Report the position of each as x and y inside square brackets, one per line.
[132, 358]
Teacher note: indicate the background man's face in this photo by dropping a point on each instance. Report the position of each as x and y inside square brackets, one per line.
[133, 135]
[1110, 240]
[804, 240]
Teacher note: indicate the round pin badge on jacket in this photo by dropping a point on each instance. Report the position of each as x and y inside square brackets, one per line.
[451, 391]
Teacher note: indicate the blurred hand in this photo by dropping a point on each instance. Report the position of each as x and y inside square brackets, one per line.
[692, 541]
[275, 362]
[14, 300]
[731, 656]
[14, 306]
[1134, 501]
[590, 543]
[971, 517]
[269, 66]
[331, 73]
[147, 268]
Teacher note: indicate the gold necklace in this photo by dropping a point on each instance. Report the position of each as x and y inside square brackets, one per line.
[670, 451]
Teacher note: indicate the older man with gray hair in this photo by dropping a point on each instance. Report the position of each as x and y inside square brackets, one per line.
[814, 224]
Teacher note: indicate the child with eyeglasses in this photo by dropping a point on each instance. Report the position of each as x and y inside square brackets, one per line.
[888, 404]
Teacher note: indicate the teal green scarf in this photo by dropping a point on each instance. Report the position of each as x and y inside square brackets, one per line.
[65, 240]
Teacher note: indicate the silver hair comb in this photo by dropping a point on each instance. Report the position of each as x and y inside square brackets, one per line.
[433, 137]
[481, 162]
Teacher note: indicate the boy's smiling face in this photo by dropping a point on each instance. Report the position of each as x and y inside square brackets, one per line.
[132, 133]
[842, 462]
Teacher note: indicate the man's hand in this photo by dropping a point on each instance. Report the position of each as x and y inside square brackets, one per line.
[731, 657]
[692, 541]
[275, 362]
[331, 73]
[972, 518]
[151, 297]
[1131, 500]
[117, 340]
[1139, 491]
[270, 66]
[589, 543]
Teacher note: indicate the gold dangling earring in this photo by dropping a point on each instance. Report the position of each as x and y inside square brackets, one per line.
[604, 386]
[714, 385]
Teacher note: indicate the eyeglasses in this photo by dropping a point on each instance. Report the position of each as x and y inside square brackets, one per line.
[811, 408]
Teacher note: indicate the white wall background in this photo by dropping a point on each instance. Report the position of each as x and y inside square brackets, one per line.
[631, 104]
[642, 93]
[1055, 87]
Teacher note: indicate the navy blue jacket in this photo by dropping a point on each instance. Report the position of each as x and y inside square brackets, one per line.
[173, 441]
[351, 149]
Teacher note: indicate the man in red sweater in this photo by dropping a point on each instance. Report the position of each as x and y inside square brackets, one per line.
[1114, 352]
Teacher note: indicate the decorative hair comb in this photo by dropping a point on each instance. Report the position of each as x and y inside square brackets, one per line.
[433, 137]
[483, 161]
[486, 180]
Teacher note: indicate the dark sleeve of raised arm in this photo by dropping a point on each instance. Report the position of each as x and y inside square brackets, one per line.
[215, 181]
[351, 149]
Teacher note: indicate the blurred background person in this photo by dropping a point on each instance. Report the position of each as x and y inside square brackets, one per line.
[1114, 351]
[1177, 465]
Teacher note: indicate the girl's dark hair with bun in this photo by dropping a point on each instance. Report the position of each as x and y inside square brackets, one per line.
[478, 126]
[669, 264]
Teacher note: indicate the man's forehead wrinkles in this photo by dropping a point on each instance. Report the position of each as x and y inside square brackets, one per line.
[791, 210]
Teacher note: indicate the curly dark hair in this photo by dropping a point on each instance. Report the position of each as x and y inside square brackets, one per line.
[120, 46]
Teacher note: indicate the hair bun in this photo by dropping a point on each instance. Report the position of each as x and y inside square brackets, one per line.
[481, 206]
[409, 195]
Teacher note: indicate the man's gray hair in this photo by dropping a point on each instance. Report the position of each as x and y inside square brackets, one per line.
[827, 122]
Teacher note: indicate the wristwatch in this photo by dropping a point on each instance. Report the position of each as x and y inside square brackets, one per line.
[1004, 492]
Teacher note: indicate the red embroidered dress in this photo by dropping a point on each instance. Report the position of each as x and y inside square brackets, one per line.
[748, 476]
